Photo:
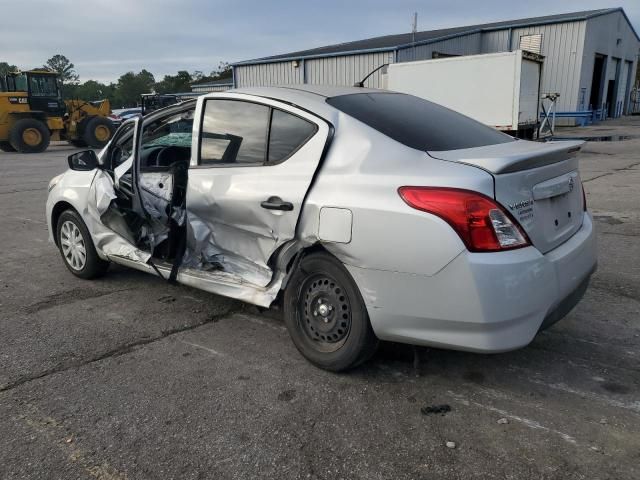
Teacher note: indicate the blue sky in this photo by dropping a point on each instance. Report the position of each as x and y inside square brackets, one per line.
[105, 38]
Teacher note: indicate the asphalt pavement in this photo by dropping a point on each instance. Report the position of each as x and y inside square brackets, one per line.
[128, 377]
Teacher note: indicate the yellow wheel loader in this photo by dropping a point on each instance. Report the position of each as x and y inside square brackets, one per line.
[32, 113]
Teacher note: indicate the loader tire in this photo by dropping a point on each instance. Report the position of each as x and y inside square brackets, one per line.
[29, 136]
[6, 147]
[97, 132]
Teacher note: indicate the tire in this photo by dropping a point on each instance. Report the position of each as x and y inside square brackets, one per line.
[69, 226]
[326, 316]
[6, 147]
[97, 132]
[29, 135]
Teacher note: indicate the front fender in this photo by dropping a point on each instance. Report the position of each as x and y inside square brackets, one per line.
[72, 189]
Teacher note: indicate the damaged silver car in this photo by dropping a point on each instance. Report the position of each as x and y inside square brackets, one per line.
[369, 214]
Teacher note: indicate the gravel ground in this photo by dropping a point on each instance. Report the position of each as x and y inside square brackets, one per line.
[128, 377]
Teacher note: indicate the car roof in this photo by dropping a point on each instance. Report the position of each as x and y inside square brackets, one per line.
[308, 97]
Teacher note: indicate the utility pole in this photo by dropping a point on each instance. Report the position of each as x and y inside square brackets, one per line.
[414, 29]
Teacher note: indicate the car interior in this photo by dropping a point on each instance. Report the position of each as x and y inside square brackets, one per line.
[165, 152]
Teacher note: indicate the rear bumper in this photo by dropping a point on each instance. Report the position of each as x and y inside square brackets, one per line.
[481, 302]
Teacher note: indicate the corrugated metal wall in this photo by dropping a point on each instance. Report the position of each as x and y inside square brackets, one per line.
[465, 45]
[261, 75]
[216, 88]
[609, 35]
[342, 70]
[347, 70]
[563, 45]
[493, 42]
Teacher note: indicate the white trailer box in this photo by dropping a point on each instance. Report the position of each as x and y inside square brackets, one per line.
[501, 90]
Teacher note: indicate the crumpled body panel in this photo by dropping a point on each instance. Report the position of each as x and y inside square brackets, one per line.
[106, 241]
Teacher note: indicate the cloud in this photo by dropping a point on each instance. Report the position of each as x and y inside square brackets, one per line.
[106, 38]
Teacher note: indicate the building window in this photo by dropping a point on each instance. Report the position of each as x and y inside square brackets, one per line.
[531, 43]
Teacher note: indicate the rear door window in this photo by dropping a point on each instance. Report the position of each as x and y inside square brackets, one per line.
[417, 123]
[233, 132]
[288, 133]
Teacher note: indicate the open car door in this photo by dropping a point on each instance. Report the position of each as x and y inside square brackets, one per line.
[251, 168]
[114, 211]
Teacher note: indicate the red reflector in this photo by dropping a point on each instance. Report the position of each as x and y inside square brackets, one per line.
[482, 224]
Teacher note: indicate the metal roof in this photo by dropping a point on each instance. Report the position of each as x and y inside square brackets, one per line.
[393, 42]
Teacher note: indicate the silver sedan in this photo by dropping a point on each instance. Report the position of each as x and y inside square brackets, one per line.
[369, 215]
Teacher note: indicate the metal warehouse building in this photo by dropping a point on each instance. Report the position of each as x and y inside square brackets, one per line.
[590, 57]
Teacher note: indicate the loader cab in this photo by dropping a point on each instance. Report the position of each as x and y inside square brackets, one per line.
[42, 89]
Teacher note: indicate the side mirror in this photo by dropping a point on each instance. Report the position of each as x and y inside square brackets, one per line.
[84, 161]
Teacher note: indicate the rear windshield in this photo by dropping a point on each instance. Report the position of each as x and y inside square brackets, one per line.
[417, 123]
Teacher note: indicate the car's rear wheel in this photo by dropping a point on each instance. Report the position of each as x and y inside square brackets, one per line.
[76, 247]
[326, 316]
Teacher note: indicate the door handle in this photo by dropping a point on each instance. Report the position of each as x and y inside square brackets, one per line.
[276, 203]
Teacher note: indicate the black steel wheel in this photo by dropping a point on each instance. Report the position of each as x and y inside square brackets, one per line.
[324, 312]
[326, 316]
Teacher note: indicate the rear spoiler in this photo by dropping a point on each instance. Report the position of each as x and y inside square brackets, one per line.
[512, 156]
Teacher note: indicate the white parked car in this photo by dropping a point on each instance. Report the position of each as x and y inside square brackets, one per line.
[369, 214]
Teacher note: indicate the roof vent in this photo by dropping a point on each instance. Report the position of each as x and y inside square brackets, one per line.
[531, 43]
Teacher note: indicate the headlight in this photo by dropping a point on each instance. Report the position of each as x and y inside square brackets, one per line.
[54, 181]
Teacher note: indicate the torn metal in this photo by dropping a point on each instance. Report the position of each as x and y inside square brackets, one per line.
[106, 241]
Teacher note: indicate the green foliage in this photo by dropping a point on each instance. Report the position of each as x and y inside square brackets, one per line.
[127, 90]
[175, 83]
[223, 71]
[90, 90]
[130, 86]
[63, 67]
[6, 68]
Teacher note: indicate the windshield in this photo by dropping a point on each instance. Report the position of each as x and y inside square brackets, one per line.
[417, 123]
[43, 86]
[175, 130]
[17, 83]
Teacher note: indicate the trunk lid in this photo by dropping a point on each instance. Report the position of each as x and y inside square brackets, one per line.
[537, 183]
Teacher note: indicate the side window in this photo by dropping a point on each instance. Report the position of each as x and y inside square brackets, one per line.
[233, 132]
[122, 146]
[167, 140]
[288, 133]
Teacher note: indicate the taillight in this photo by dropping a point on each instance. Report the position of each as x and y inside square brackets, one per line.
[584, 198]
[482, 224]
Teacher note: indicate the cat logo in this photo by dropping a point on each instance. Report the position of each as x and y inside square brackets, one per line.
[19, 100]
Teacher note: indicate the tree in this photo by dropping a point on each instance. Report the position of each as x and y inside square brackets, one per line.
[91, 90]
[223, 71]
[63, 67]
[6, 68]
[130, 86]
[175, 83]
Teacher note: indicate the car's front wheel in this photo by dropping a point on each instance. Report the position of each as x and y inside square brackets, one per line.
[326, 316]
[76, 247]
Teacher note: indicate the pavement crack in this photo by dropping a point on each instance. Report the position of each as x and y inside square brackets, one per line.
[597, 177]
[66, 297]
[628, 167]
[116, 352]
